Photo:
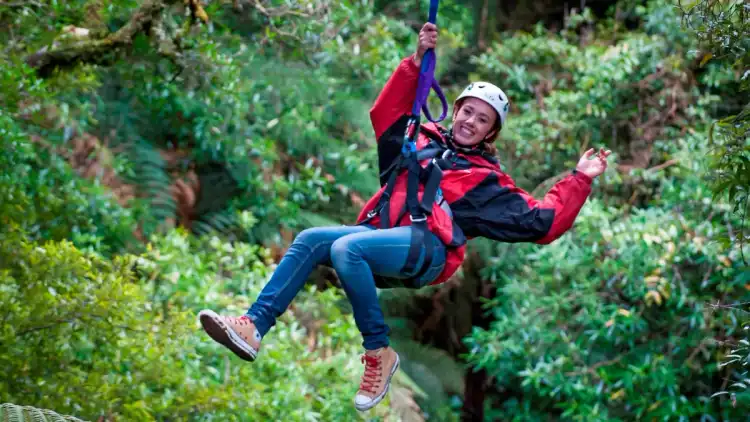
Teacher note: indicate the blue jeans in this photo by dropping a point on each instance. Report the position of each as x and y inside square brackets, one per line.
[355, 252]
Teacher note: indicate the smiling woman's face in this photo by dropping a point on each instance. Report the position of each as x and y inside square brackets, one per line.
[472, 122]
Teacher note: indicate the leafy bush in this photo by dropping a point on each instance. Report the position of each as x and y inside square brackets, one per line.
[254, 124]
[615, 321]
[108, 345]
[43, 196]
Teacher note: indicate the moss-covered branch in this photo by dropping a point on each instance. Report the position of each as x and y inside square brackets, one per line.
[99, 50]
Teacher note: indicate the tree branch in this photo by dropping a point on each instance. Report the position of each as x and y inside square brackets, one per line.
[663, 165]
[164, 43]
[196, 10]
[76, 318]
[592, 369]
[277, 12]
[101, 50]
[25, 3]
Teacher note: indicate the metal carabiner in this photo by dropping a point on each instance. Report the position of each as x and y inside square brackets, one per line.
[421, 219]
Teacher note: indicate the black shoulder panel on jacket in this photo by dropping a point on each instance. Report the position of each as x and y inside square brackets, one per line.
[389, 146]
[492, 211]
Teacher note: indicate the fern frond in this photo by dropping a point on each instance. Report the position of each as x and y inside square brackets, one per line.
[153, 183]
[218, 184]
[436, 372]
[223, 222]
[14, 413]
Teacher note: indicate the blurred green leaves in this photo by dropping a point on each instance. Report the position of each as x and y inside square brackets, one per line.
[267, 109]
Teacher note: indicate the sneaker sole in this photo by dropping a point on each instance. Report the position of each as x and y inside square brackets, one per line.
[381, 396]
[222, 334]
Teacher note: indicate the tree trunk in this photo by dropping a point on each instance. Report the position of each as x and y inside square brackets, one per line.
[482, 39]
[476, 381]
[475, 388]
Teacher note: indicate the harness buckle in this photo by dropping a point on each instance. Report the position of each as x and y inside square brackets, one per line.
[421, 219]
[408, 149]
[372, 213]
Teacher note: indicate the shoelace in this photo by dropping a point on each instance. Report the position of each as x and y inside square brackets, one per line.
[373, 373]
[243, 320]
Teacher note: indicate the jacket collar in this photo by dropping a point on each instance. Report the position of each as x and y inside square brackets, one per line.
[475, 154]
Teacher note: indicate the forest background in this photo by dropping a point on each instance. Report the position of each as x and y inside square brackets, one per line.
[158, 156]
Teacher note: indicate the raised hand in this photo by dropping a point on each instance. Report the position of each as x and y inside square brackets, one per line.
[596, 166]
[427, 39]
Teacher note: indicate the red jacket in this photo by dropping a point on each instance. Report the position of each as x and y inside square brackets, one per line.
[485, 202]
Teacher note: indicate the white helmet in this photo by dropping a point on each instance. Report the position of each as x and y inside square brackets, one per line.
[490, 94]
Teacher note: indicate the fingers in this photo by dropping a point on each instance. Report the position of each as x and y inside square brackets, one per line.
[428, 31]
[429, 27]
[427, 41]
[594, 167]
[428, 35]
[602, 153]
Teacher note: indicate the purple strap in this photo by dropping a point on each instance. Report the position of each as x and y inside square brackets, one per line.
[427, 78]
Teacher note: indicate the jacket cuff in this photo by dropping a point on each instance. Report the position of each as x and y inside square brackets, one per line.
[582, 177]
[409, 65]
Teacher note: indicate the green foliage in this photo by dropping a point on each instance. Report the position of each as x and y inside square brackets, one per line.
[739, 355]
[266, 106]
[18, 83]
[43, 196]
[730, 160]
[11, 412]
[136, 342]
[568, 94]
[614, 321]
[77, 312]
[721, 29]
[434, 371]
[154, 181]
[229, 102]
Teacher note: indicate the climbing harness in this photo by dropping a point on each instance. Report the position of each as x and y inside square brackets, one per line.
[440, 158]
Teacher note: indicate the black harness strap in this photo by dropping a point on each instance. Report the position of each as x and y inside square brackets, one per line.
[418, 218]
[441, 158]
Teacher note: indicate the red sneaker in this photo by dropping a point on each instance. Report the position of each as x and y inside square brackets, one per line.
[380, 365]
[237, 334]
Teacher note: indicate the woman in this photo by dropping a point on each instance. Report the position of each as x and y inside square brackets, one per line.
[473, 198]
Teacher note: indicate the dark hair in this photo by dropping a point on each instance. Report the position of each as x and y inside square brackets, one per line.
[488, 144]
[489, 147]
